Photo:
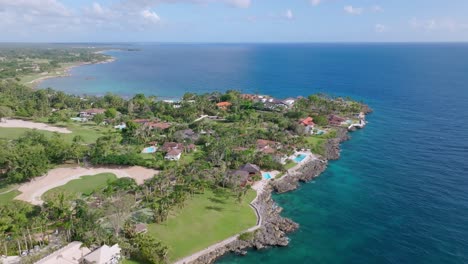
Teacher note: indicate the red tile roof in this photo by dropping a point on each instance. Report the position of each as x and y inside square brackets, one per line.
[309, 121]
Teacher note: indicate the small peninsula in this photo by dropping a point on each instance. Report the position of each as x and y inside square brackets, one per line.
[157, 181]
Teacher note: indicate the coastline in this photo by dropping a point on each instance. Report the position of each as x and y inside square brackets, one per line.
[65, 71]
[272, 228]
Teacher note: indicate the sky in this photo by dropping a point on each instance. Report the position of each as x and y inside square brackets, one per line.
[233, 20]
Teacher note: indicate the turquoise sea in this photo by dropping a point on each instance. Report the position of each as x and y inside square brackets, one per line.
[399, 193]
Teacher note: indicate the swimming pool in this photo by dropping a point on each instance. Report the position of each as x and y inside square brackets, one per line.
[151, 149]
[267, 176]
[300, 158]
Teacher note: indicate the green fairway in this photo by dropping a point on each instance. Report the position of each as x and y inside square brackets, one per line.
[8, 197]
[205, 220]
[89, 132]
[84, 185]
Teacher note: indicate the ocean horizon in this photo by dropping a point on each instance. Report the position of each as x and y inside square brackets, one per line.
[398, 192]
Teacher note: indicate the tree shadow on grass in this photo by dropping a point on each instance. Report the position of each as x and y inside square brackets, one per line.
[217, 200]
[214, 208]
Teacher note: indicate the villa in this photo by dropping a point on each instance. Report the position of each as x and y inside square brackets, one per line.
[72, 253]
[76, 253]
[252, 169]
[104, 255]
[267, 146]
[308, 123]
[174, 154]
[289, 102]
[168, 146]
[158, 125]
[239, 177]
[141, 228]
[223, 105]
[92, 112]
[186, 134]
[335, 120]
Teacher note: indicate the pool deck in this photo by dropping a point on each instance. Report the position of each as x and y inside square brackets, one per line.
[309, 157]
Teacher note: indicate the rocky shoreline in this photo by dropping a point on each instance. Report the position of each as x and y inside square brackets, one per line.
[274, 228]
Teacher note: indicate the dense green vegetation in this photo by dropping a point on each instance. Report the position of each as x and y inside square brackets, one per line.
[190, 204]
[26, 62]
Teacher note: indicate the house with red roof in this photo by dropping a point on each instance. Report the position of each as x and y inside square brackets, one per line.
[223, 105]
[308, 124]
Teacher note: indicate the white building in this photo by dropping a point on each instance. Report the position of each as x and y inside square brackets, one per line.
[70, 254]
[174, 154]
[104, 255]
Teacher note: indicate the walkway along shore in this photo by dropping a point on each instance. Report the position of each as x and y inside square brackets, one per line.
[272, 229]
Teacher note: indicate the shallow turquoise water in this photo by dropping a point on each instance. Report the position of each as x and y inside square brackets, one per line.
[399, 192]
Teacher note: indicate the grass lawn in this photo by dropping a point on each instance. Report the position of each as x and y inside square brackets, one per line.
[205, 220]
[8, 197]
[84, 185]
[291, 164]
[89, 132]
[316, 144]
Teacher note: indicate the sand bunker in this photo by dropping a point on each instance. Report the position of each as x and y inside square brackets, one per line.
[28, 124]
[32, 191]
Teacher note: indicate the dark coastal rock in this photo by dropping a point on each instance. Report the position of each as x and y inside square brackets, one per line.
[306, 173]
[332, 146]
[366, 109]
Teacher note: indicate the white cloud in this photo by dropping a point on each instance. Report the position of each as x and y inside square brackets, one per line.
[377, 9]
[315, 2]
[150, 16]
[446, 24]
[379, 28]
[288, 14]
[35, 7]
[239, 3]
[353, 10]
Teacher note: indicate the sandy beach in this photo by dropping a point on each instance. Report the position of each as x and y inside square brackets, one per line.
[65, 72]
[18, 123]
[32, 191]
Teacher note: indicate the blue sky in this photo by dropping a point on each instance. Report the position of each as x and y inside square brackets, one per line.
[233, 20]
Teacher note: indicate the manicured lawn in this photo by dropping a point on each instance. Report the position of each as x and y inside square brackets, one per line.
[84, 185]
[89, 132]
[205, 220]
[290, 164]
[8, 197]
[316, 144]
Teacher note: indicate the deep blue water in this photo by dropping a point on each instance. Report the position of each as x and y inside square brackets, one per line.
[399, 193]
